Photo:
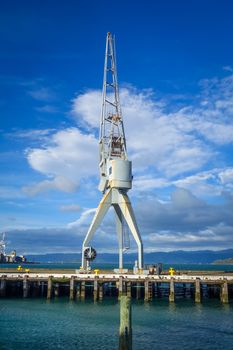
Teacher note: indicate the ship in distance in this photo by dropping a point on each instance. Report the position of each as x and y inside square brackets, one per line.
[10, 258]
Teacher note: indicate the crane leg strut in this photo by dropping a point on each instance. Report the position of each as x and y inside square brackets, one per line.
[123, 209]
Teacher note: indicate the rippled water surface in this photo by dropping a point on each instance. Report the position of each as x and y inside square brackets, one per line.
[61, 324]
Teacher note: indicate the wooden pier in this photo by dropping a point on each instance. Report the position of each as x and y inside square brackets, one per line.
[148, 287]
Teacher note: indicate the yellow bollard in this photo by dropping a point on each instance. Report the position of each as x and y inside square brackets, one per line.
[19, 268]
[27, 270]
[96, 271]
[171, 271]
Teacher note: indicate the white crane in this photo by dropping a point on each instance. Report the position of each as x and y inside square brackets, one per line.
[115, 168]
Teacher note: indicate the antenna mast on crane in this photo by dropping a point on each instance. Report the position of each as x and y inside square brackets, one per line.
[115, 168]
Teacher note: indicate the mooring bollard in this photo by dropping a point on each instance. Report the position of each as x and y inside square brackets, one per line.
[125, 331]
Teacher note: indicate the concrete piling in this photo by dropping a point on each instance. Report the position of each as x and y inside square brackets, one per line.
[50, 288]
[25, 287]
[101, 292]
[146, 294]
[72, 288]
[184, 290]
[78, 290]
[56, 289]
[42, 288]
[138, 291]
[157, 289]
[197, 290]
[150, 290]
[125, 331]
[83, 290]
[120, 287]
[95, 292]
[3, 287]
[128, 289]
[36, 289]
[172, 291]
[224, 293]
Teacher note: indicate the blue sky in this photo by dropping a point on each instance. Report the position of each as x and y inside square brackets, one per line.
[175, 66]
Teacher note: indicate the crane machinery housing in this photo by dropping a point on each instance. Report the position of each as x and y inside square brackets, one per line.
[115, 168]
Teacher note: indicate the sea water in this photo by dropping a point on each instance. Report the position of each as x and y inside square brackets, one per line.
[62, 324]
[110, 266]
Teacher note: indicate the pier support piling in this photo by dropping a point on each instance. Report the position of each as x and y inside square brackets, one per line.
[224, 293]
[197, 290]
[172, 291]
[50, 288]
[25, 287]
[72, 288]
[125, 331]
[120, 287]
[56, 289]
[83, 290]
[3, 287]
[146, 286]
[148, 290]
[101, 291]
[36, 289]
[138, 291]
[42, 283]
[128, 292]
[78, 290]
[95, 292]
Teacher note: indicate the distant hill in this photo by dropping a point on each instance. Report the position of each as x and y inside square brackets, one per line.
[174, 257]
[224, 261]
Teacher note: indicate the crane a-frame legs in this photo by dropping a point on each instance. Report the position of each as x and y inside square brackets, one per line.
[123, 209]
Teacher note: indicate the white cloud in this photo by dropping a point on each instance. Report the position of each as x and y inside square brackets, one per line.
[42, 94]
[47, 109]
[226, 176]
[86, 214]
[58, 183]
[68, 155]
[227, 68]
[87, 108]
[167, 148]
[10, 192]
[33, 134]
[71, 208]
[179, 150]
[152, 135]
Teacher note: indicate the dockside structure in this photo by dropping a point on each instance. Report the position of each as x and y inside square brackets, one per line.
[147, 287]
